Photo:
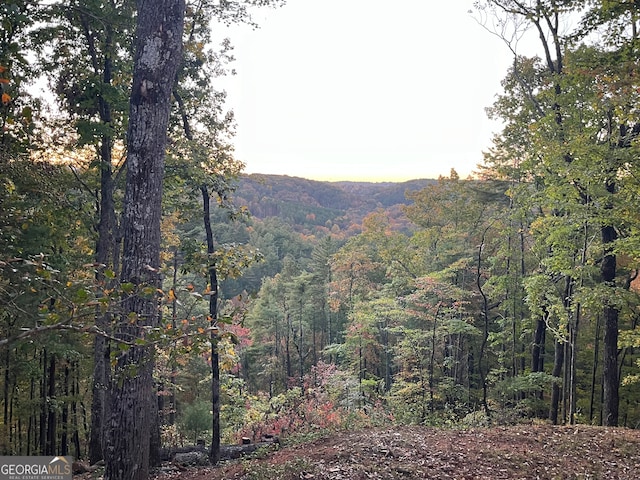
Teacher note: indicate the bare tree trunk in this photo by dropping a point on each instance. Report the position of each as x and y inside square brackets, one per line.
[158, 50]
[611, 381]
[50, 443]
[214, 453]
[594, 369]
[105, 255]
[75, 393]
[287, 350]
[5, 395]
[537, 351]
[31, 428]
[42, 426]
[556, 388]
[64, 439]
[485, 326]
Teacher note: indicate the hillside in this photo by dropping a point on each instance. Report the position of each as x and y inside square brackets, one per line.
[412, 453]
[306, 203]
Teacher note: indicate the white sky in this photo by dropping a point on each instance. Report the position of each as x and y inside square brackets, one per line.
[377, 90]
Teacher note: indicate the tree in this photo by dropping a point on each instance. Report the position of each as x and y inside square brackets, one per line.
[158, 49]
[583, 128]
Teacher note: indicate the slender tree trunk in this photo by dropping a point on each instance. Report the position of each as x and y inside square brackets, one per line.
[64, 439]
[5, 395]
[556, 388]
[105, 255]
[300, 346]
[610, 377]
[287, 350]
[594, 369]
[214, 454]
[50, 445]
[537, 351]
[99, 403]
[611, 382]
[485, 326]
[42, 426]
[174, 325]
[573, 346]
[432, 358]
[75, 392]
[31, 428]
[158, 49]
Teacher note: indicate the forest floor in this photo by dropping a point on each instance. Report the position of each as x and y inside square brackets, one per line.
[515, 452]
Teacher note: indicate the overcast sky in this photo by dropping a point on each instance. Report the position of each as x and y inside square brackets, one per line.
[365, 89]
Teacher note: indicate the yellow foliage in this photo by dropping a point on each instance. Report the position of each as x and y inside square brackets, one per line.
[171, 296]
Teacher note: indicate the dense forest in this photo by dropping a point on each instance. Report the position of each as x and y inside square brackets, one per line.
[152, 295]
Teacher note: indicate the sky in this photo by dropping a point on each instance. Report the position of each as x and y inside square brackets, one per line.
[364, 90]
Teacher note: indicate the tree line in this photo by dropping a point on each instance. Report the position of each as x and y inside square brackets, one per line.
[513, 295]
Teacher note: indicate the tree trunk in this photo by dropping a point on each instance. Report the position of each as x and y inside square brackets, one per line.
[610, 363]
[556, 388]
[64, 439]
[5, 395]
[611, 381]
[537, 351]
[42, 427]
[50, 445]
[214, 454]
[158, 49]
[287, 350]
[105, 255]
[485, 327]
[75, 393]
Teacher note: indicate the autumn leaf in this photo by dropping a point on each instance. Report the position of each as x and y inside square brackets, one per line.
[6, 98]
[171, 296]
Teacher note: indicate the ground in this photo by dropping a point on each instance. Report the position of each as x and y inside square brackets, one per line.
[515, 452]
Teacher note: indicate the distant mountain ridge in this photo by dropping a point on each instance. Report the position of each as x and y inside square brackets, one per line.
[305, 203]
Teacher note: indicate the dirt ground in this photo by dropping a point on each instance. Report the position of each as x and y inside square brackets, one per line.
[518, 452]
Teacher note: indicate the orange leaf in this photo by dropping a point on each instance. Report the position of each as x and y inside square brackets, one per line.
[6, 98]
[171, 297]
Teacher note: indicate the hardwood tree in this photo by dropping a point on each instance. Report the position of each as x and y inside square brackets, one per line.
[579, 137]
[158, 50]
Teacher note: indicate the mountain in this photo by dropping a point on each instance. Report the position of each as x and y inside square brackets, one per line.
[307, 204]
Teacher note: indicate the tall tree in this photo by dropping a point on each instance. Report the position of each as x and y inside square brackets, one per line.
[158, 50]
[617, 24]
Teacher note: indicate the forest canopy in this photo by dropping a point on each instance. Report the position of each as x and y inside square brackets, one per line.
[144, 276]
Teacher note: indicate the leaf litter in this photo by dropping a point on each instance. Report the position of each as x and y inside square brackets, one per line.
[412, 452]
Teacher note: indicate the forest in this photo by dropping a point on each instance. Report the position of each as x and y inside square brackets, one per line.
[153, 296]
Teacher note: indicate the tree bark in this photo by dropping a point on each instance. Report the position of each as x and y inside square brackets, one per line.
[158, 50]
[50, 445]
[611, 381]
[214, 453]
[556, 388]
[537, 351]
[106, 254]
